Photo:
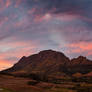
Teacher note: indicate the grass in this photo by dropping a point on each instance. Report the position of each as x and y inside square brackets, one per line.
[4, 90]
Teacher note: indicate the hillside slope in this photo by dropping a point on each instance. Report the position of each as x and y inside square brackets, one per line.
[50, 62]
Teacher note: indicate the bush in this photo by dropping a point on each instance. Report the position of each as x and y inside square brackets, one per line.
[33, 83]
[39, 77]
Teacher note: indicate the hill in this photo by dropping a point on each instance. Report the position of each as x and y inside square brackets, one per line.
[50, 62]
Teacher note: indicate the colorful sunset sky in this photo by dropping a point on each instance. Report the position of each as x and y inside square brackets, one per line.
[29, 26]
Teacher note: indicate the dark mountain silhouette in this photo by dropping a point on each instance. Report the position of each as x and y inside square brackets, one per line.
[81, 65]
[50, 62]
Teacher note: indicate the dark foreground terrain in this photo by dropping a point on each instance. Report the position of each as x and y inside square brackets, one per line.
[19, 84]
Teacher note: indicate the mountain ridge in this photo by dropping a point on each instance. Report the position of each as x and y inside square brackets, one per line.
[50, 62]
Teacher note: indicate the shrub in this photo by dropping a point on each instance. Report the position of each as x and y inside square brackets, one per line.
[39, 77]
[33, 82]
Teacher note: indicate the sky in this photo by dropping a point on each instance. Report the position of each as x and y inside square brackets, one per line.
[29, 26]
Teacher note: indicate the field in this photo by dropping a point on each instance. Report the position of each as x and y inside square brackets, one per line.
[17, 84]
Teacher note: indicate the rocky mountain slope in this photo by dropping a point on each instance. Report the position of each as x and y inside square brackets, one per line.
[50, 62]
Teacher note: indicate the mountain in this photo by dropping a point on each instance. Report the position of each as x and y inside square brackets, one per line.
[47, 61]
[50, 62]
[81, 65]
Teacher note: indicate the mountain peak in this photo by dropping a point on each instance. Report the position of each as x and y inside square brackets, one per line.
[51, 62]
[79, 59]
[23, 57]
[47, 51]
[51, 52]
[48, 61]
[82, 57]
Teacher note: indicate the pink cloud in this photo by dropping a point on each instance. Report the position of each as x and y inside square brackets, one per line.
[80, 47]
[4, 64]
[15, 49]
[8, 3]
